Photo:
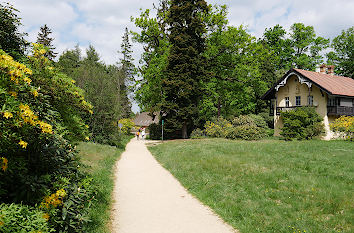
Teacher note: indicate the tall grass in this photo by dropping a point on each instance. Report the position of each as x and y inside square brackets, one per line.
[271, 185]
[99, 161]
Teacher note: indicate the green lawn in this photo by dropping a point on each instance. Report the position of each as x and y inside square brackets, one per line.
[99, 161]
[270, 185]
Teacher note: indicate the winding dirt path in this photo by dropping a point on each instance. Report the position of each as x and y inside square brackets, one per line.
[148, 199]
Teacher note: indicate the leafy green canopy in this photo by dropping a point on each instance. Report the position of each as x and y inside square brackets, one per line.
[343, 55]
[299, 48]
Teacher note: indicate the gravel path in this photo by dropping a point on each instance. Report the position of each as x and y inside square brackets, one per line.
[148, 199]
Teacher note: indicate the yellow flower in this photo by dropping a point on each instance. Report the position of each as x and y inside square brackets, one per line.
[14, 94]
[4, 163]
[8, 115]
[42, 51]
[23, 144]
[86, 126]
[61, 193]
[35, 93]
[45, 216]
[73, 81]
[27, 80]
[46, 128]
[87, 138]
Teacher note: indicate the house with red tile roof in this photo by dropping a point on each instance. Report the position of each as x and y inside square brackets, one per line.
[331, 95]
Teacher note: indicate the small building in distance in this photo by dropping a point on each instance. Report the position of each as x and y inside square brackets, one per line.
[331, 95]
[144, 119]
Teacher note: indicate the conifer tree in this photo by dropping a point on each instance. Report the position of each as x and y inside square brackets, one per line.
[12, 40]
[44, 39]
[185, 70]
[127, 60]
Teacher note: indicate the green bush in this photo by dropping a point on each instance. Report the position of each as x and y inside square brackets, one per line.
[248, 127]
[246, 132]
[301, 123]
[127, 125]
[269, 119]
[218, 128]
[73, 214]
[197, 133]
[155, 131]
[22, 218]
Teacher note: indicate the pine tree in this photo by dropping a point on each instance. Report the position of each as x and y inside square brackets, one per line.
[185, 70]
[44, 39]
[127, 60]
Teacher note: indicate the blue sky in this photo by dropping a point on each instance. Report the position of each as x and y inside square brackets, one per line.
[102, 22]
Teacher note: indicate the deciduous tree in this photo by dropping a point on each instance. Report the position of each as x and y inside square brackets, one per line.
[343, 55]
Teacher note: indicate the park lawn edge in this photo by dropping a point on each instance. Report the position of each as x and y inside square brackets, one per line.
[99, 161]
[168, 158]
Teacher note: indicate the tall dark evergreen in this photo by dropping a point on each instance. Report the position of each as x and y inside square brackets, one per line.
[181, 85]
[11, 39]
[127, 60]
[44, 39]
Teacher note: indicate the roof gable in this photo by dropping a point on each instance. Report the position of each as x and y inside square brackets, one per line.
[332, 84]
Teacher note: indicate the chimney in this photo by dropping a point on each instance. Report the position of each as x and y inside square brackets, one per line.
[330, 70]
[323, 69]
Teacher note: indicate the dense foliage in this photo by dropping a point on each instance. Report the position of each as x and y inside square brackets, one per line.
[12, 216]
[127, 125]
[342, 55]
[246, 127]
[11, 39]
[104, 87]
[181, 85]
[301, 123]
[236, 68]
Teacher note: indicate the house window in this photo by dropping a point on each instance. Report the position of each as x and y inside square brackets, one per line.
[332, 102]
[298, 100]
[287, 102]
[310, 100]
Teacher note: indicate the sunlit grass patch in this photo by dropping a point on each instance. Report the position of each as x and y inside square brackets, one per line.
[270, 185]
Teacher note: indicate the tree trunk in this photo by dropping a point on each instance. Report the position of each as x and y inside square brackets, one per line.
[184, 130]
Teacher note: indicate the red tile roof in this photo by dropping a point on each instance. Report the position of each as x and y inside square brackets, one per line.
[335, 85]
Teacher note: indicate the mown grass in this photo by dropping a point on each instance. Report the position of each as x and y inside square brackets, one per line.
[99, 160]
[270, 185]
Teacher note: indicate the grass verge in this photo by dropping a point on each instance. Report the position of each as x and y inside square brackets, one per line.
[270, 185]
[99, 160]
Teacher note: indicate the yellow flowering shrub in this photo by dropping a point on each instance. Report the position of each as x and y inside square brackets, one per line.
[53, 200]
[218, 128]
[40, 113]
[127, 125]
[3, 163]
[345, 125]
